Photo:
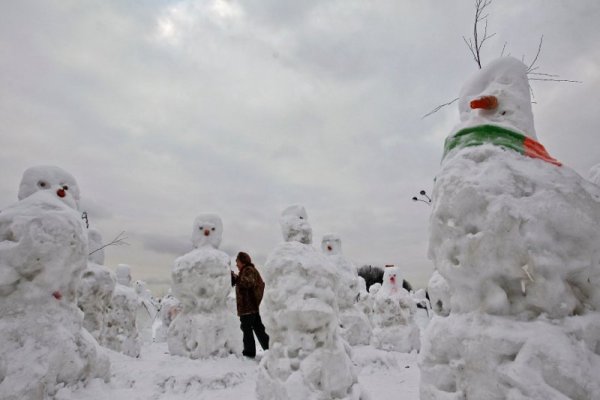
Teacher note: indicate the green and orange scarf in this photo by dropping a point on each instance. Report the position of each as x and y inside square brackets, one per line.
[499, 136]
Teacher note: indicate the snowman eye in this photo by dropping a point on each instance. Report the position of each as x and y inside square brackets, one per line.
[65, 187]
[213, 229]
[300, 217]
[42, 184]
[201, 228]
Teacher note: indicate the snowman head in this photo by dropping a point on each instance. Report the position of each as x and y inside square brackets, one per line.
[498, 94]
[139, 287]
[295, 226]
[594, 174]
[331, 244]
[208, 231]
[123, 273]
[53, 179]
[392, 280]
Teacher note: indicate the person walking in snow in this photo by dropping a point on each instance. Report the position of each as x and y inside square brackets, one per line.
[249, 288]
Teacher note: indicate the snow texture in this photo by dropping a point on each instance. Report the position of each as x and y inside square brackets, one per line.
[307, 358]
[202, 282]
[439, 294]
[123, 273]
[43, 251]
[95, 290]
[121, 333]
[516, 239]
[594, 174]
[354, 323]
[394, 325]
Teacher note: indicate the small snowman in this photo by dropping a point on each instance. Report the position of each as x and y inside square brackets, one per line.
[121, 332]
[394, 326]
[202, 281]
[307, 359]
[354, 323]
[95, 291]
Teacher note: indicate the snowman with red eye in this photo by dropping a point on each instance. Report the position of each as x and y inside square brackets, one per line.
[394, 325]
[202, 282]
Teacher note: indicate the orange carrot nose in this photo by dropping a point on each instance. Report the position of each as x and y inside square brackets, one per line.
[484, 103]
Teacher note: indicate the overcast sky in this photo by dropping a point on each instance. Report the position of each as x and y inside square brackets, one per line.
[163, 110]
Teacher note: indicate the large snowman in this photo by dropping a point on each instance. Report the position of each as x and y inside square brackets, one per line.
[394, 325]
[515, 235]
[307, 358]
[354, 323]
[202, 281]
[43, 250]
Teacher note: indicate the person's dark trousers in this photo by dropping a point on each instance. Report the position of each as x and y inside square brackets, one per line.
[252, 323]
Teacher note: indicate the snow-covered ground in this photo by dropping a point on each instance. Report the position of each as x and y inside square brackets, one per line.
[158, 375]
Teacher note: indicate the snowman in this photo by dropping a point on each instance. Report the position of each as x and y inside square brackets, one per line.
[307, 358]
[439, 293]
[202, 281]
[121, 333]
[355, 327]
[146, 311]
[169, 308]
[394, 326]
[43, 251]
[515, 235]
[96, 288]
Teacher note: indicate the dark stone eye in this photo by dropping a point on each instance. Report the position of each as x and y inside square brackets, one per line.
[301, 218]
[201, 228]
[65, 187]
[42, 184]
[213, 229]
[503, 113]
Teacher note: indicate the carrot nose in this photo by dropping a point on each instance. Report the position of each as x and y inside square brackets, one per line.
[484, 103]
[61, 193]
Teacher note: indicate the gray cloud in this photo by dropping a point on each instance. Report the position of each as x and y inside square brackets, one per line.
[167, 109]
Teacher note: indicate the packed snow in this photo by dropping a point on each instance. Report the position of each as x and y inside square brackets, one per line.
[515, 236]
[202, 282]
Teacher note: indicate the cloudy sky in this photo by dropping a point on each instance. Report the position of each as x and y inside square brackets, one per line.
[166, 109]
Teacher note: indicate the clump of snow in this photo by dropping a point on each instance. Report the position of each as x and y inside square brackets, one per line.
[439, 294]
[506, 79]
[594, 174]
[307, 358]
[121, 333]
[394, 326]
[43, 346]
[52, 179]
[354, 323]
[202, 281]
[95, 290]
[516, 239]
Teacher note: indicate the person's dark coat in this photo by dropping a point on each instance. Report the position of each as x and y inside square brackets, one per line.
[249, 288]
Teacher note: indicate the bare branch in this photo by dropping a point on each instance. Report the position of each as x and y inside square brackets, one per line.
[503, 48]
[119, 240]
[554, 80]
[438, 108]
[476, 44]
[539, 50]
